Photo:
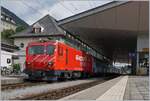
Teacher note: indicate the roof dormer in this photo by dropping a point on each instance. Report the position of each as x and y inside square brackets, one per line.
[37, 28]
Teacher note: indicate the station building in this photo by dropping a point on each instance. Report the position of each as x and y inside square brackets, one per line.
[121, 28]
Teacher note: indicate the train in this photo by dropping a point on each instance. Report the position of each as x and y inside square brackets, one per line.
[56, 60]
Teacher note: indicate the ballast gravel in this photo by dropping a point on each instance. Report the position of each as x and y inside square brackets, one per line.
[23, 92]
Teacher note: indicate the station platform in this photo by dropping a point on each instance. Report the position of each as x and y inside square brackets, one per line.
[11, 80]
[137, 88]
[118, 89]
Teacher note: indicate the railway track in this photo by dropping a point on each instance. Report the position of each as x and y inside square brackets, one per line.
[20, 85]
[63, 92]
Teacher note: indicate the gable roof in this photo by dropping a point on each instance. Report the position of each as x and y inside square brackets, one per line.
[50, 28]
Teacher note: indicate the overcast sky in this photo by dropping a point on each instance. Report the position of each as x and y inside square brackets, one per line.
[32, 10]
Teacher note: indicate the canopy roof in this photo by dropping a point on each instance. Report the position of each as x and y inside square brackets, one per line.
[113, 25]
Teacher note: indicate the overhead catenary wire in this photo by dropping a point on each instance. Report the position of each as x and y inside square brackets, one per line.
[23, 10]
[74, 6]
[48, 10]
[60, 2]
[31, 7]
[90, 4]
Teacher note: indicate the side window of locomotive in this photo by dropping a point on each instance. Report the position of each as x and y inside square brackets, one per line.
[50, 49]
[60, 51]
[66, 56]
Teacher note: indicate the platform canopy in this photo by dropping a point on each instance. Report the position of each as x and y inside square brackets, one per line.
[110, 26]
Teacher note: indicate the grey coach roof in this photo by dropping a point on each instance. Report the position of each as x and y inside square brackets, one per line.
[50, 28]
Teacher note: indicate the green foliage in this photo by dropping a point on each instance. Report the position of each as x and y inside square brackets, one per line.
[7, 33]
[50, 38]
[19, 29]
[16, 67]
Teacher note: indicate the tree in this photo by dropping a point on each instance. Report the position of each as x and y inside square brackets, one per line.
[7, 33]
[19, 29]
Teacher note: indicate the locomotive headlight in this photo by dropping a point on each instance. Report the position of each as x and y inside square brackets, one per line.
[28, 63]
[50, 63]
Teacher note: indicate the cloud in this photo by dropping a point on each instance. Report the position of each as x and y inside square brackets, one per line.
[32, 10]
[28, 10]
[68, 8]
[15, 6]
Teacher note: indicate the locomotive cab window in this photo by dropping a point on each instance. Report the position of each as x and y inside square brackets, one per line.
[36, 49]
[50, 49]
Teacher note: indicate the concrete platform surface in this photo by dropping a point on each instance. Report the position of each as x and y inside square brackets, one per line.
[137, 88]
[11, 80]
[116, 92]
[94, 92]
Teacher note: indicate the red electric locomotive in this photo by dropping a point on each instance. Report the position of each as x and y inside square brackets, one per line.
[55, 59]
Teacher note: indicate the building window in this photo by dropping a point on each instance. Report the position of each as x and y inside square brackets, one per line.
[21, 45]
[7, 19]
[13, 21]
[2, 16]
[8, 60]
[37, 30]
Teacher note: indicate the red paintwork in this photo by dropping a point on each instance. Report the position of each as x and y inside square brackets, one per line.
[77, 59]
